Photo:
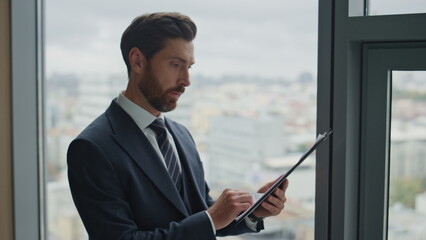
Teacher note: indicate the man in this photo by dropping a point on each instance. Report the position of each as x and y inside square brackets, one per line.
[134, 174]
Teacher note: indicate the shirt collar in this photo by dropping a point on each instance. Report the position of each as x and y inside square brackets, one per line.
[142, 117]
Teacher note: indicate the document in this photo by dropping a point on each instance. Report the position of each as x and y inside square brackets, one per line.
[321, 138]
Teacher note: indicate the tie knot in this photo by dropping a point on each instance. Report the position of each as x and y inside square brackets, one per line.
[158, 126]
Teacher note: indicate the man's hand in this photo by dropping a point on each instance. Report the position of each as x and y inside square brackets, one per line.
[227, 207]
[274, 204]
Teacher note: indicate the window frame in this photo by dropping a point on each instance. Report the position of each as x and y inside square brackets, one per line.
[27, 112]
[342, 32]
[381, 60]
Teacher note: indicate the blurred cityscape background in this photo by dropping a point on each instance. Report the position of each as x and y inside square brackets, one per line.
[248, 131]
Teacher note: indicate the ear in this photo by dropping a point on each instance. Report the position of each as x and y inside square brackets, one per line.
[136, 60]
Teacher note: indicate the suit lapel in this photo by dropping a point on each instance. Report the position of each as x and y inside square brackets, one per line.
[128, 135]
[185, 157]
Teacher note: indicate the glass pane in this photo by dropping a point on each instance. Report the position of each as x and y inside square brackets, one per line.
[253, 84]
[390, 7]
[407, 190]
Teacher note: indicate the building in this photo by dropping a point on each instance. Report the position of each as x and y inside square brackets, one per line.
[238, 145]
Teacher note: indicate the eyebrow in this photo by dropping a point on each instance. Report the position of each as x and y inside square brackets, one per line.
[183, 60]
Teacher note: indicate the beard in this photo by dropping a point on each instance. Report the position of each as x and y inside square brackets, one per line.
[154, 93]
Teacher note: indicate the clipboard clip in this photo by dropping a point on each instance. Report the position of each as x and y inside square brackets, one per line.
[325, 135]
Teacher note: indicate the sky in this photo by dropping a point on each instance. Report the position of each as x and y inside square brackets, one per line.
[271, 38]
[385, 7]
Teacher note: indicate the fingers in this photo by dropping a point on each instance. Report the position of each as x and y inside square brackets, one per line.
[275, 202]
[278, 199]
[284, 185]
[272, 209]
[238, 196]
[280, 191]
[227, 207]
[278, 194]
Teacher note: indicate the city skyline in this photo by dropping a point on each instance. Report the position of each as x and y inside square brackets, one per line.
[245, 99]
[197, 110]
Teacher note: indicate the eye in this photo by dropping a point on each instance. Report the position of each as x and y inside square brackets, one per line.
[175, 64]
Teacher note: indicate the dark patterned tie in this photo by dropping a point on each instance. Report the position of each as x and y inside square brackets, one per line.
[159, 128]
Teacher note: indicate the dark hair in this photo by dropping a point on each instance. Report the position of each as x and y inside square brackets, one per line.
[149, 33]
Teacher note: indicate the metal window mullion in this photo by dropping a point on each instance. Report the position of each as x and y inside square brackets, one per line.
[25, 119]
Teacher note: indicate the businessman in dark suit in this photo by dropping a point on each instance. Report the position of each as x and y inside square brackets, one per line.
[135, 174]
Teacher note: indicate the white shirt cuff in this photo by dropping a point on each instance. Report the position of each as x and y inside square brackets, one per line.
[250, 224]
[212, 223]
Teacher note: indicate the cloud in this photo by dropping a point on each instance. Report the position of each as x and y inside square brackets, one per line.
[272, 37]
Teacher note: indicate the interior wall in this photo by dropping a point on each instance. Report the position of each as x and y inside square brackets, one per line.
[6, 216]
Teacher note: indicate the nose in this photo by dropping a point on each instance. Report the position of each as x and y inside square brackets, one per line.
[184, 78]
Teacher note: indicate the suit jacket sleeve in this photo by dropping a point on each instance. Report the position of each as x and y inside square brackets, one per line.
[232, 229]
[103, 206]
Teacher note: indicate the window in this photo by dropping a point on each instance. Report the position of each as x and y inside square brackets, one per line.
[407, 184]
[253, 83]
[386, 7]
[354, 100]
[391, 172]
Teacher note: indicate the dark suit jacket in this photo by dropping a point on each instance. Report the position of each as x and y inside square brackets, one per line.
[122, 190]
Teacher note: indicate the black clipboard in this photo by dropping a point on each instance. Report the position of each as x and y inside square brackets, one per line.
[320, 139]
